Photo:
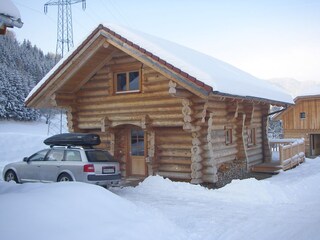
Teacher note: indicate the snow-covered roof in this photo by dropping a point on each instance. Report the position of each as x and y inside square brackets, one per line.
[313, 90]
[9, 15]
[221, 76]
[7, 8]
[206, 70]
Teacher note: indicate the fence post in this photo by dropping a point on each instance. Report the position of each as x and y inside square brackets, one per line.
[281, 154]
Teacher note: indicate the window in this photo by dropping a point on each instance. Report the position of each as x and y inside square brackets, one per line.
[55, 155]
[251, 136]
[127, 81]
[73, 155]
[228, 135]
[39, 156]
[137, 142]
[302, 115]
[99, 156]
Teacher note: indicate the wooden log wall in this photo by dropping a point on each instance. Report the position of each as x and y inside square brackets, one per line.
[255, 153]
[97, 98]
[217, 151]
[238, 116]
[121, 149]
[189, 133]
[173, 152]
[99, 109]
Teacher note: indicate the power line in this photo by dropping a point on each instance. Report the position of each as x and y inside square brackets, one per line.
[64, 24]
[64, 32]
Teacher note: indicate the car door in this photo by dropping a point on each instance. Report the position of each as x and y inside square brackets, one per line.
[30, 172]
[73, 164]
[50, 167]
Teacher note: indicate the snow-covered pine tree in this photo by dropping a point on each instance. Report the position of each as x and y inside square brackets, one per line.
[21, 67]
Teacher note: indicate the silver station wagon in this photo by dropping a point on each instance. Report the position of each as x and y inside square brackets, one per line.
[65, 162]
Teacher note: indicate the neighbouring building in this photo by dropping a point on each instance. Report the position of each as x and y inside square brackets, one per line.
[161, 108]
[302, 120]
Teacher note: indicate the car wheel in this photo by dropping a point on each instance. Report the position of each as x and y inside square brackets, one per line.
[10, 176]
[64, 177]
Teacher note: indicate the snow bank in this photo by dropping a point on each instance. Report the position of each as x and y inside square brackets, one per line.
[249, 190]
[76, 211]
[285, 206]
[19, 140]
[254, 192]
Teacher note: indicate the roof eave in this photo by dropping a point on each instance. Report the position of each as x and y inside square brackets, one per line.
[253, 99]
[32, 100]
[156, 62]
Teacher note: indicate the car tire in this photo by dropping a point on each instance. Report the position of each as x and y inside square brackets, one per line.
[10, 176]
[65, 177]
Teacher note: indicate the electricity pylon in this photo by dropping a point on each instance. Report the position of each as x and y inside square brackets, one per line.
[64, 37]
[64, 27]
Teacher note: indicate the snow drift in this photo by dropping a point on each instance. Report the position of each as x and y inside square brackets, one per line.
[285, 206]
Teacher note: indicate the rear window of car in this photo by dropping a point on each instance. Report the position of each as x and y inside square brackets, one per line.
[99, 156]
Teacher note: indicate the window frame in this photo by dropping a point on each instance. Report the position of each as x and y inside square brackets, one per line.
[68, 158]
[302, 115]
[252, 136]
[39, 153]
[127, 73]
[228, 135]
[50, 155]
[137, 136]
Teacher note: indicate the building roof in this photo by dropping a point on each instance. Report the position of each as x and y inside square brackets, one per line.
[306, 95]
[9, 15]
[310, 92]
[205, 73]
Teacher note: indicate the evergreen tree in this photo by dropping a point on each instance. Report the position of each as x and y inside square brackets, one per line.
[22, 66]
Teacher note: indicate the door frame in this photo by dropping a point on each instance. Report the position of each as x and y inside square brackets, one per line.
[314, 139]
[130, 158]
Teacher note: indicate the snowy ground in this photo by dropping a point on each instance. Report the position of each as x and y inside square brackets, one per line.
[287, 206]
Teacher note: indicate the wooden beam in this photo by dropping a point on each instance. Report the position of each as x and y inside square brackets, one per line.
[178, 92]
[91, 74]
[76, 65]
[214, 174]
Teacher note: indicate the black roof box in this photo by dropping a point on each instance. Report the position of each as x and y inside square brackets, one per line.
[73, 139]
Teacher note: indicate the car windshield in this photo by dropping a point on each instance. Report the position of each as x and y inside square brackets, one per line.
[99, 156]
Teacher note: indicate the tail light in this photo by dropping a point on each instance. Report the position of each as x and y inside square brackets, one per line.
[88, 168]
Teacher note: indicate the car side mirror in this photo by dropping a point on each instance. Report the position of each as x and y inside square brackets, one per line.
[26, 159]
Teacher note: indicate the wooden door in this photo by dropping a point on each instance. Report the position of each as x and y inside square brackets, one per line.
[315, 144]
[137, 152]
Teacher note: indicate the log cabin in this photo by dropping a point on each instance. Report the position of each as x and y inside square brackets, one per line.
[161, 108]
[302, 120]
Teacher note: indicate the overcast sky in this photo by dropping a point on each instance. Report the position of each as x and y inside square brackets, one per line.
[267, 38]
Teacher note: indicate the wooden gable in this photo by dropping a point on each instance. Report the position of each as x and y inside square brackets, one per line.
[98, 49]
[305, 114]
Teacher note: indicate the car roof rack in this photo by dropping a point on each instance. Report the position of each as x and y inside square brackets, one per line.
[86, 140]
